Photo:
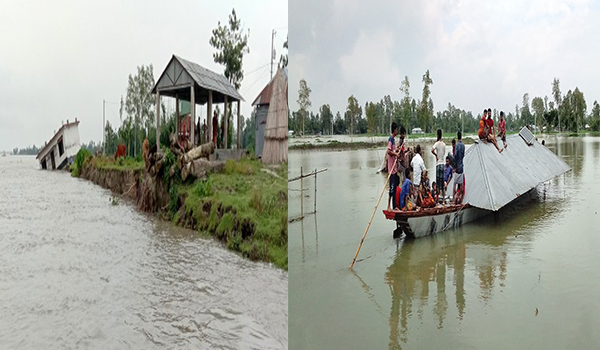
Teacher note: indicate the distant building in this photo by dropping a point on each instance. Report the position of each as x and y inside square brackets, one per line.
[62, 147]
[262, 102]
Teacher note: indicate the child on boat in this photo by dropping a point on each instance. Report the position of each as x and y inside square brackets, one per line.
[405, 202]
[425, 199]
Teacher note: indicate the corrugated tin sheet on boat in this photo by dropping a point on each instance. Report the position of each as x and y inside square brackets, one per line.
[495, 179]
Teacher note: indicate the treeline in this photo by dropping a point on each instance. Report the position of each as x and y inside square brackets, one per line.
[29, 151]
[564, 112]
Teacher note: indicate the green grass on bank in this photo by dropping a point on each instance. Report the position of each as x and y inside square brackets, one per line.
[245, 207]
[244, 195]
[122, 164]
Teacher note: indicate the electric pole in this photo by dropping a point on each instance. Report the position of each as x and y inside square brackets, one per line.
[103, 126]
[272, 51]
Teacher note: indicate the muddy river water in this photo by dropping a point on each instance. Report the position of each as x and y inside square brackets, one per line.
[79, 270]
[530, 280]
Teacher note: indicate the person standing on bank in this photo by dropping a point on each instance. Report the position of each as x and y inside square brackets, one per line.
[439, 151]
[215, 122]
[393, 154]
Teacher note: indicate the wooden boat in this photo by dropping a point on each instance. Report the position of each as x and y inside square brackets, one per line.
[493, 181]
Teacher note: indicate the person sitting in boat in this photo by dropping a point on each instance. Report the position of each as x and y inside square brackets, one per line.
[425, 199]
[392, 153]
[405, 202]
[402, 149]
[418, 166]
[434, 192]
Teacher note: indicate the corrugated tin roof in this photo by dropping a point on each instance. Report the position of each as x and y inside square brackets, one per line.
[265, 95]
[206, 79]
[495, 179]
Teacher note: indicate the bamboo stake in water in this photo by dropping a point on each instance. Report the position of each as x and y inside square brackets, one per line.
[372, 215]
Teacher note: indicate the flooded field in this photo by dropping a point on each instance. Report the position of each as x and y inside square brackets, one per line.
[529, 280]
[80, 270]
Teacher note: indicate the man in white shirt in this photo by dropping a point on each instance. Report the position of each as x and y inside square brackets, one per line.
[439, 150]
[418, 166]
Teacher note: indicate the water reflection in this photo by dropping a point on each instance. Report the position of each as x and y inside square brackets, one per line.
[430, 273]
[444, 291]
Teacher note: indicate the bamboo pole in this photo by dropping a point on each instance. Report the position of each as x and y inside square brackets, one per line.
[315, 191]
[301, 194]
[372, 215]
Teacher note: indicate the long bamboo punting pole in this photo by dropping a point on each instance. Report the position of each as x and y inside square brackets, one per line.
[372, 215]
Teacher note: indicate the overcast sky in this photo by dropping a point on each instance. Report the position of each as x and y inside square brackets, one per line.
[60, 59]
[479, 53]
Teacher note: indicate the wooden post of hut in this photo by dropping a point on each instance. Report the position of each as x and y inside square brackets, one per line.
[193, 113]
[225, 126]
[177, 116]
[209, 117]
[158, 120]
[239, 142]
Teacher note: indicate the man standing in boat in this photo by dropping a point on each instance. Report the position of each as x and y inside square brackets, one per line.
[418, 166]
[459, 179]
[439, 150]
[393, 154]
[402, 148]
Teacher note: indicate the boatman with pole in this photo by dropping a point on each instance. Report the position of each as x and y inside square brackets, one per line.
[393, 154]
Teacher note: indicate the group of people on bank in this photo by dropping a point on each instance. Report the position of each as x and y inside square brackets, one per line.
[407, 194]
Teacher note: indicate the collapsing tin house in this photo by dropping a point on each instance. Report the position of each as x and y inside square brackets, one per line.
[60, 151]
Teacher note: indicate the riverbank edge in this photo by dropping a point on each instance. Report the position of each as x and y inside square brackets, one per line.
[210, 213]
[345, 146]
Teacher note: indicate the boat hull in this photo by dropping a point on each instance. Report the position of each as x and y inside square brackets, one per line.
[416, 227]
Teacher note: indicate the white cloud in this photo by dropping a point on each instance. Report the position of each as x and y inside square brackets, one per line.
[370, 65]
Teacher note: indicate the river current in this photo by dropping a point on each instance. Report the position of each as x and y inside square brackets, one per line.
[80, 269]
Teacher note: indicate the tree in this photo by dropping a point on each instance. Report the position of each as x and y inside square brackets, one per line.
[353, 112]
[579, 108]
[405, 105]
[231, 43]
[371, 121]
[388, 111]
[139, 103]
[339, 128]
[425, 113]
[557, 97]
[525, 113]
[326, 119]
[304, 101]
[283, 60]
[537, 104]
[595, 117]
[566, 111]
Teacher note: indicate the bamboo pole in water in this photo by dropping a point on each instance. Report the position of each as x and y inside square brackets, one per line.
[372, 215]
[315, 208]
[301, 194]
